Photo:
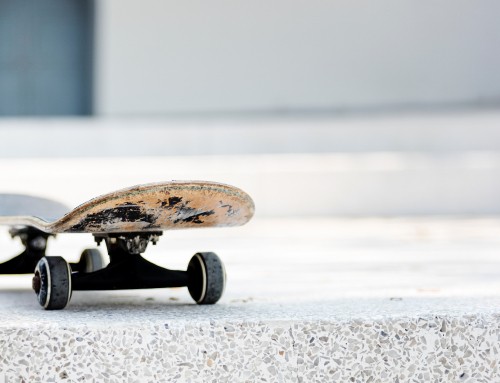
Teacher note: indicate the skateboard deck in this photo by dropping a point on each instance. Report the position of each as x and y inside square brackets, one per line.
[142, 208]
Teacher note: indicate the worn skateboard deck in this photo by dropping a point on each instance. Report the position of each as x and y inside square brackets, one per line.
[142, 208]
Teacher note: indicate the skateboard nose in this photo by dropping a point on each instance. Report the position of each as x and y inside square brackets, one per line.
[36, 283]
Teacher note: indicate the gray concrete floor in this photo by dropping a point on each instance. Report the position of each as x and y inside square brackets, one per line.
[295, 277]
[411, 163]
[312, 259]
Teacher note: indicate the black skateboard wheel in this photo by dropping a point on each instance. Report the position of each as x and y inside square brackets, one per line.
[52, 283]
[207, 278]
[91, 260]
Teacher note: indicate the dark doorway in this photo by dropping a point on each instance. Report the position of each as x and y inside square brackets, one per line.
[46, 57]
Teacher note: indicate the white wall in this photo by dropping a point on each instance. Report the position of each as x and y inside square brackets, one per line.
[165, 56]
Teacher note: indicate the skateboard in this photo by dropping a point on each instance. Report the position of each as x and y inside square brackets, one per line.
[126, 221]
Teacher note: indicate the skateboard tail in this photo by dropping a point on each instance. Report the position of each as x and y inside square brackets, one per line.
[29, 221]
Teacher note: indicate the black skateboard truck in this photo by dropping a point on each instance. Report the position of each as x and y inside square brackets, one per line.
[54, 279]
[35, 245]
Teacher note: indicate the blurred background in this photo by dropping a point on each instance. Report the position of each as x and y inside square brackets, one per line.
[368, 133]
[316, 108]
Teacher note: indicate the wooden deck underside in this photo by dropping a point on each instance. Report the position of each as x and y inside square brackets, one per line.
[151, 207]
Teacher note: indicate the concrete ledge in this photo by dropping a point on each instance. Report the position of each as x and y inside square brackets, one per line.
[365, 340]
[436, 132]
[361, 300]
[287, 184]
[436, 163]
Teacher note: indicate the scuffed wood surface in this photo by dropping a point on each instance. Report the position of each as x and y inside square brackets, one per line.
[152, 207]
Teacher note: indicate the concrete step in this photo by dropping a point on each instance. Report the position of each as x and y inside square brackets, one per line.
[365, 299]
[378, 183]
[437, 132]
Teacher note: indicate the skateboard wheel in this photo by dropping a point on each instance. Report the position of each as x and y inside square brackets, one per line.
[207, 278]
[91, 260]
[52, 283]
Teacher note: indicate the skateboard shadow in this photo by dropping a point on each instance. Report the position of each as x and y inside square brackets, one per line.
[103, 308]
[133, 310]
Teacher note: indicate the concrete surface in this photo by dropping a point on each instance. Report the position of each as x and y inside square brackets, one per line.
[435, 163]
[286, 185]
[361, 300]
[425, 131]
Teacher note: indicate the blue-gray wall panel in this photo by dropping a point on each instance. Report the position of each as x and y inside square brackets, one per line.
[45, 57]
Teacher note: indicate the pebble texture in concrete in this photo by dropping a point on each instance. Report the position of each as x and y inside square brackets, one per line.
[362, 300]
[375, 340]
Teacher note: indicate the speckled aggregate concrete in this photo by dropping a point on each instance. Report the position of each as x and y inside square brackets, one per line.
[367, 300]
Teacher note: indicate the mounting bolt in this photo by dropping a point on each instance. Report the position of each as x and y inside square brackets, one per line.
[38, 243]
[154, 239]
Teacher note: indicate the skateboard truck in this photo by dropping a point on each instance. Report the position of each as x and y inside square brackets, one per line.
[127, 269]
[134, 243]
[35, 244]
[54, 281]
